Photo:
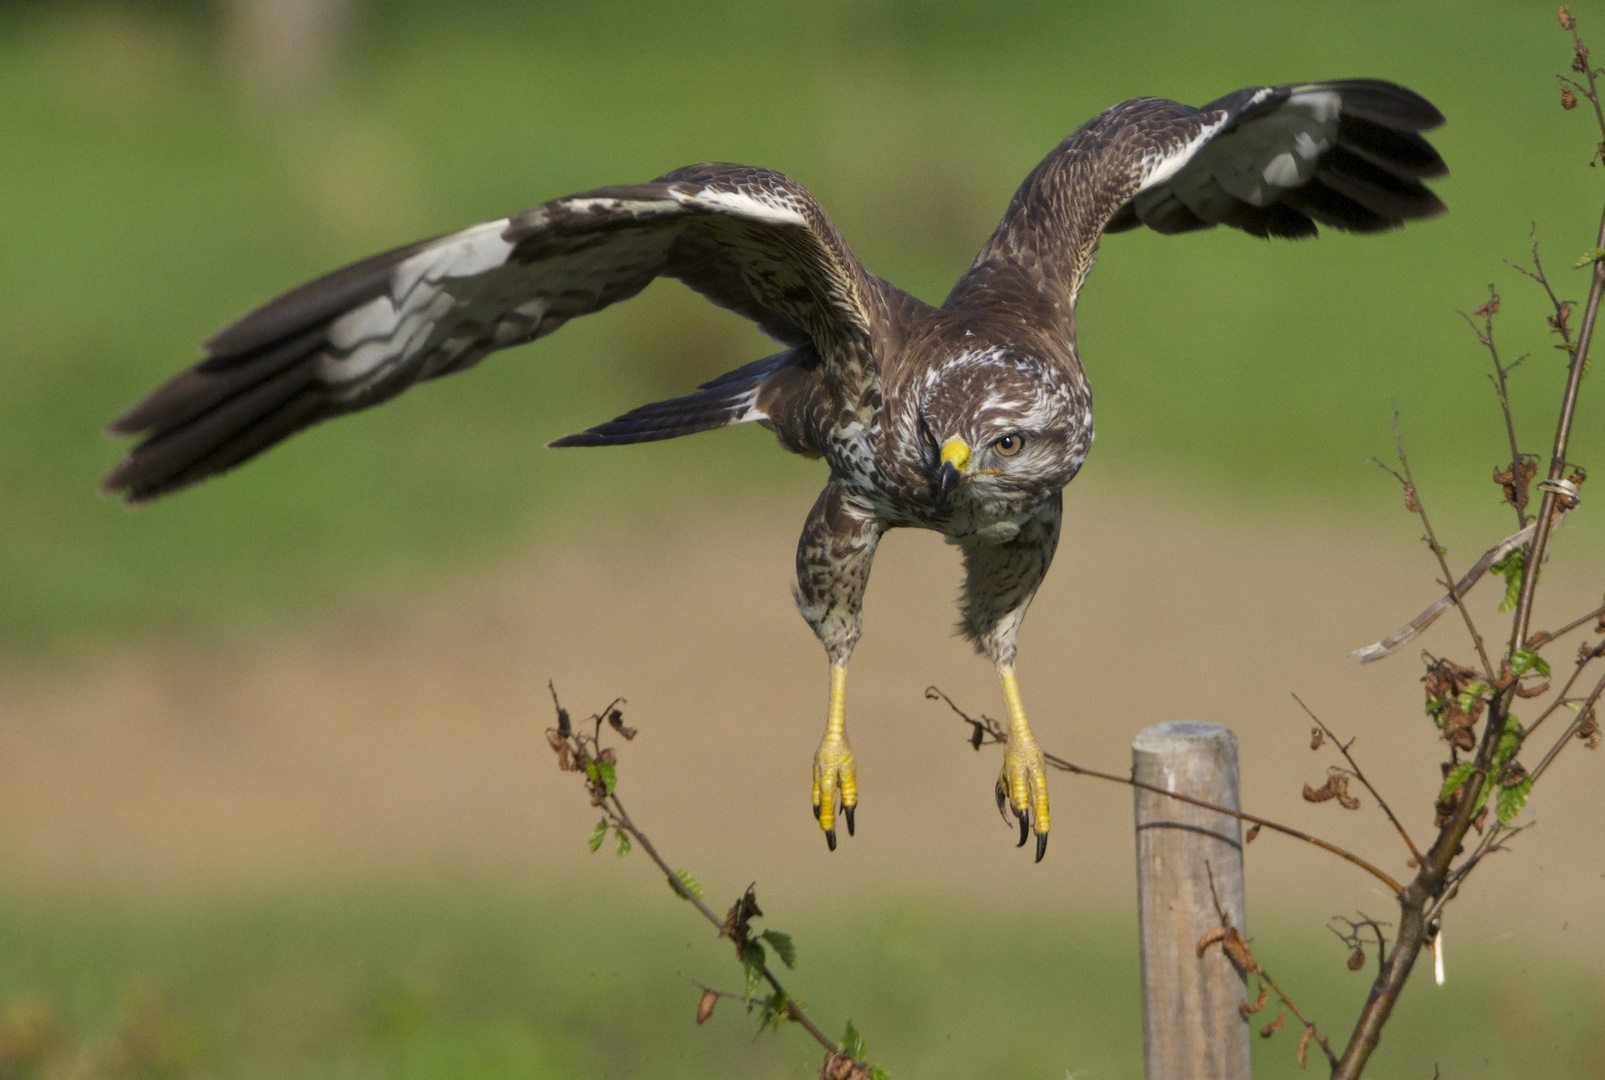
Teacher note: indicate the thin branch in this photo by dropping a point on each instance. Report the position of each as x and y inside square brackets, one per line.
[1536, 642]
[1391, 644]
[1584, 713]
[1235, 946]
[1412, 499]
[575, 751]
[1499, 378]
[1359, 774]
[987, 731]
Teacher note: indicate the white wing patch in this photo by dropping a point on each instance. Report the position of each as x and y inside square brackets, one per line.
[1160, 165]
[1270, 154]
[743, 204]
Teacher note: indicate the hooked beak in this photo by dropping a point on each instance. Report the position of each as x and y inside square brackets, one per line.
[955, 460]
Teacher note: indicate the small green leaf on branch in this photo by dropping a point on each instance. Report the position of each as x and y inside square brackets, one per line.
[782, 945]
[624, 843]
[1509, 741]
[1467, 699]
[1457, 776]
[1589, 258]
[1510, 800]
[598, 834]
[853, 1043]
[690, 884]
[1524, 660]
[1510, 568]
[753, 960]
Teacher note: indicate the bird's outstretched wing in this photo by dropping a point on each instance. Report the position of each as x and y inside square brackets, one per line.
[748, 239]
[1277, 161]
[1270, 160]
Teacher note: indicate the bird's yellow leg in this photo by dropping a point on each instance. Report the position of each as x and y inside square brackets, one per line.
[1023, 782]
[833, 763]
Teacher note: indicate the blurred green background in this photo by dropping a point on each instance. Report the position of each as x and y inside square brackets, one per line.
[152, 195]
[159, 177]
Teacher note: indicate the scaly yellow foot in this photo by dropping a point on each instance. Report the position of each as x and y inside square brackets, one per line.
[1023, 783]
[833, 763]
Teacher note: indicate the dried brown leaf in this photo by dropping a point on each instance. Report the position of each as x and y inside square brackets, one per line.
[1274, 1026]
[616, 719]
[710, 998]
[1567, 22]
[1411, 502]
[1316, 738]
[1253, 833]
[1237, 949]
[1217, 934]
[1490, 308]
[1304, 1045]
[1568, 100]
[1259, 1003]
[1320, 794]
[1356, 959]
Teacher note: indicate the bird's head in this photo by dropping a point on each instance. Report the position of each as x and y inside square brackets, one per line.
[997, 424]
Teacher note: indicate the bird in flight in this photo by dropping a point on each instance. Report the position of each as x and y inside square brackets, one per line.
[968, 418]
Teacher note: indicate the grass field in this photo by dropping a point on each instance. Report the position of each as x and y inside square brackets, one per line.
[423, 981]
[146, 204]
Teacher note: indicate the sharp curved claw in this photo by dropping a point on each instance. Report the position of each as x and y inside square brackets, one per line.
[1042, 845]
[830, 838]
[816, 811]
[847, 812]
[1025, 829]
[1002, 797]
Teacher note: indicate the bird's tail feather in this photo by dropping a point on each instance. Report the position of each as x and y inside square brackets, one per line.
[729, 399]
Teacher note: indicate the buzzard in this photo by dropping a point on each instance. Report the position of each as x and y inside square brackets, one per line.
[968, 418]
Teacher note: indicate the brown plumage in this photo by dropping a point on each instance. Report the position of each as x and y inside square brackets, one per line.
[968, 418]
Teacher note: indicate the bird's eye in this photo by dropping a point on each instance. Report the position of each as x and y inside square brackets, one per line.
[1009, 445]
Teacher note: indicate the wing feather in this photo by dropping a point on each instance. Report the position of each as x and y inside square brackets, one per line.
[748, 239]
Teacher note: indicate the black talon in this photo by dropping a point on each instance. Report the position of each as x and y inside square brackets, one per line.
[830, 838]
[1042, 845]
[816, 811]
[998, 791]
[847, 812]
[1025, 828]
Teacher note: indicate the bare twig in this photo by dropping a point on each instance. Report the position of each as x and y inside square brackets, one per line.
[1412, 500]
[1392, 643]
[575, 752]
[1235, 946]
[1518, 482]
[1359, 774]
[987, 731]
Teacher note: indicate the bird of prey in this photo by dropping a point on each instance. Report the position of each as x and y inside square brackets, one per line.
[968, 418]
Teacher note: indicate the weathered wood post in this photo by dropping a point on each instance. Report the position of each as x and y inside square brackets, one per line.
[1191, 1027]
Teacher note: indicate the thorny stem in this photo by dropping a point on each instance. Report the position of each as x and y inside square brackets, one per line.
[1359, 774]
[1413, 499]
[995, 734]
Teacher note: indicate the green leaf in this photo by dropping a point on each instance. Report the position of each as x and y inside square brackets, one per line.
[753, 960]
[687, 882]
[1457, 776]
[606, 774]
[878, 1073]
[1511, 799]
[1435, 706]
[624, 842]
[782, 946]
[1524, 660]
[1510, 568]
[1472, 694]
[1509, 741]
[774, 1011]
[853, 1043]
[1589, 258]
[598, 834]
[1574, 706]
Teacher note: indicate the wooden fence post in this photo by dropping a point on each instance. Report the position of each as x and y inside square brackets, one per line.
[1191, 1027]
